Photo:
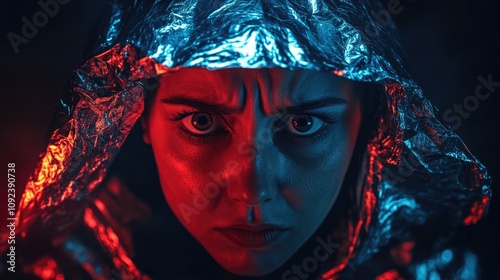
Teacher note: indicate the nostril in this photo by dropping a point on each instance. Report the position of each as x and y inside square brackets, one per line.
[254, 184]
[252, 197]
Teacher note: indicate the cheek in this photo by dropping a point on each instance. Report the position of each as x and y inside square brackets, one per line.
[184, 168]
[316, 176]
[314, 184]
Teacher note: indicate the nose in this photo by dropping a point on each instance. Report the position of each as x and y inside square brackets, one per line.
[254, 185]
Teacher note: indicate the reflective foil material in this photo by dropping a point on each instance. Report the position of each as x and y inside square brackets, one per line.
[419, 171]
[105, 101]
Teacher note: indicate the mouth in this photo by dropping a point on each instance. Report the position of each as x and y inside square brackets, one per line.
[252, 236]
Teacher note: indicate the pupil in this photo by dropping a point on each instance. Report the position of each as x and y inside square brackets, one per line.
[202, 121]
[302, 123]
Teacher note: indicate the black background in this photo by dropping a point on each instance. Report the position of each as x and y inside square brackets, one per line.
[448, 44]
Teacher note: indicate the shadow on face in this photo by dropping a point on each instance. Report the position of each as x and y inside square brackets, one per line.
[251, 161]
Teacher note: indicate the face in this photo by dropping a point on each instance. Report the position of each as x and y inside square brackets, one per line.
[252, 160]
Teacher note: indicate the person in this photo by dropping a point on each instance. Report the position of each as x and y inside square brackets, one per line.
[271, 139]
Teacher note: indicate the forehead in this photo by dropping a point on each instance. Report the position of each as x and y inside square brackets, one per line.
[275, 87]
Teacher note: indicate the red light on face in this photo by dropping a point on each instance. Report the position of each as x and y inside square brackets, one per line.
[247, 148]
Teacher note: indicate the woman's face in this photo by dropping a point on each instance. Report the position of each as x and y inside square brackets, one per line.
[252, 160]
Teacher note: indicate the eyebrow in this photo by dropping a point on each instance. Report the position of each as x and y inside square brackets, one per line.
[224, 110]
[200, 105]
[315, 104]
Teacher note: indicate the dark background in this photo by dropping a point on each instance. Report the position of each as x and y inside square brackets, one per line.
[448, 44]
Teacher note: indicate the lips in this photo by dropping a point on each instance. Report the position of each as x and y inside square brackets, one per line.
[252, 236]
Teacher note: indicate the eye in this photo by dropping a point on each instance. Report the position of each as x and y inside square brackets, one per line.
[202, 123]
[300, 125]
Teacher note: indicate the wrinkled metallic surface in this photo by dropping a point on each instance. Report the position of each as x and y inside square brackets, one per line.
[418, 169]
[105, 101]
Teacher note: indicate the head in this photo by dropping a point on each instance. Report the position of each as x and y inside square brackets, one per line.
[251, 161]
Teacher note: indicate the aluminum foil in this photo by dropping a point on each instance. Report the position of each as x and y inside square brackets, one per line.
[419, 171]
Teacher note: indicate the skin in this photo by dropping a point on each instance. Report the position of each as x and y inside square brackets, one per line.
[249, 169]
